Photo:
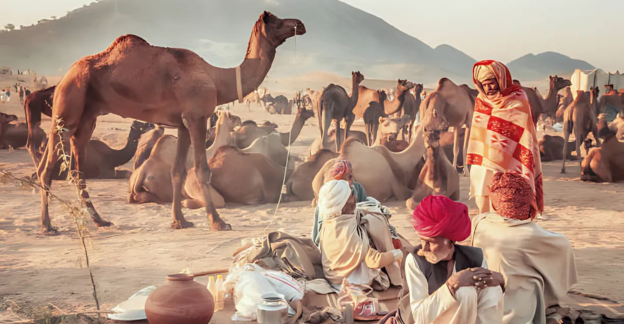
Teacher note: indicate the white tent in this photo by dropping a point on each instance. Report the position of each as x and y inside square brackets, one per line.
[584, 80]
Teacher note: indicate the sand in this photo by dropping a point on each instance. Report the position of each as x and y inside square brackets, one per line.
[141, 248]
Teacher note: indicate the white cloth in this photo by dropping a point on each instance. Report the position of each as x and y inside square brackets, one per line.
[332, 198]
[538, 265]
[480, 178]
[467, 307]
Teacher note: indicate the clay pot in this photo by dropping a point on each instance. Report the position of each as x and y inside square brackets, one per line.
[180, 301]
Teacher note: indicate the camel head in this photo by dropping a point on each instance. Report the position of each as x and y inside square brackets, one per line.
[516, 82]
[433, 108]
[432, 140]
[227, 120]
[6, 118]
[418, 89]
[305, 113]
[139, 128]
[389, 128]
[277, 30]
[403, 85]
[559, 83]
[357, 77]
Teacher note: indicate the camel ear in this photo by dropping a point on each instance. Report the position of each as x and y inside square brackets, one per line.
[381, 120]
[265, 17]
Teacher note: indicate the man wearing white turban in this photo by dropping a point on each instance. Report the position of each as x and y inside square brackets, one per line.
[346, 235]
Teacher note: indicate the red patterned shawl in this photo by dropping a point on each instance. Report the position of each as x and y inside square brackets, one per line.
[503, 136]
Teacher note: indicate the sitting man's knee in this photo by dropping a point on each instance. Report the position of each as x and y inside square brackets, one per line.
[465, 294]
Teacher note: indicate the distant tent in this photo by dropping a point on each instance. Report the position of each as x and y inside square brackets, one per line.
[584, 80]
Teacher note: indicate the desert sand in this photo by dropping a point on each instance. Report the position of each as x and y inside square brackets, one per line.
[141, 248]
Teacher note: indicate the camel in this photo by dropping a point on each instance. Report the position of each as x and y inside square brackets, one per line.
[438, 176]
[250, 131]
[256, 96]
[277, 105]
[317, 146]
[411, 107]
[366, 95]
[551, 149]
[579, 118]
[148, 183]
[617, 126]
[447, 140]
[455, 105]
[337, 105]
[270, 146]
[101, 159]
[246, 178]
[604, 164]
[564, 101]
[15, 135]
[178, 88]
[390, 127]
[299, 185]
[372, 116]
[5, 121]
[612, 100]
[383, 174]
[546, 105]
[37, 103]
[146, 144]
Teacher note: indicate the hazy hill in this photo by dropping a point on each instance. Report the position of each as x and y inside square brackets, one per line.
[340, 38]
[534, 67]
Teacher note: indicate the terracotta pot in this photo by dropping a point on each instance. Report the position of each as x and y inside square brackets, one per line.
[180, 301]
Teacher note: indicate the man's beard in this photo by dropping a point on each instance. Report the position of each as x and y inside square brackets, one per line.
[432, 257]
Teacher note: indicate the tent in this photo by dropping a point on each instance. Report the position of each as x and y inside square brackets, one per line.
[585, 79]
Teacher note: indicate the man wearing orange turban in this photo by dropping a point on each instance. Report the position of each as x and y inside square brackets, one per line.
[538, 265]
[448, 283]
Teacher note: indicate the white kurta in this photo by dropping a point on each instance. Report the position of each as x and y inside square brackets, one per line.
[538, 265]
[469, 306]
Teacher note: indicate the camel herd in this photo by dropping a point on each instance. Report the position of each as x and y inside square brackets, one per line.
[247, 162]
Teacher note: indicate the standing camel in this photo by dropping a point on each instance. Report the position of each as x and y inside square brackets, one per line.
[455, 104]
[337, 105]
[366, 95]
[37, 103]
[579, 118]
[547, 105]
[411, 108]
[178, 88]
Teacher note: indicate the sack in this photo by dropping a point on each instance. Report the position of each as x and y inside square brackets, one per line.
[356, 297]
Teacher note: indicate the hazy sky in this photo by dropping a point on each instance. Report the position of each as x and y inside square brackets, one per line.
[504, 30]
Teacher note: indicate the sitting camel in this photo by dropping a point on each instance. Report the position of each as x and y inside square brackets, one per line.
[384, 174]
[438, 176]
[101, 159]
[389, 128]
[604, 164]
[337, 105]
[551, 148]
[299, 186]
[277, 105]
[146, 144]
[256, 96]
[16, 135]
[455, 104]
[250, 131]
[382, 107]
[316, 146]
[579, 118]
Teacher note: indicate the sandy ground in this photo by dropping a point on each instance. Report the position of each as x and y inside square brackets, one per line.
[141, 248]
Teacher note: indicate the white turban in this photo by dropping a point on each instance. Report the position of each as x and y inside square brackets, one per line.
[333, 197]
[485, 73]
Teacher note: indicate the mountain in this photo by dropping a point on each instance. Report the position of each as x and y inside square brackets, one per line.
[534, 67]
[340, 38]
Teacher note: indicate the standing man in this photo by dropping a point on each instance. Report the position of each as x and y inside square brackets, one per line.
[503, 136]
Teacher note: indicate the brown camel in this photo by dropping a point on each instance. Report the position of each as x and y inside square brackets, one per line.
[455, 105]
[411, 108]
[250, 131]
[257, 97]
[390, 127]
[604, 164]
[394, 145]
[579, 118]
[148, 183]
[271, 147]
[447, 140]
[246, 178]
[37, 103]
[366, 95]
[15, 135]
[549, 104]
[612, 99]
[178, 88]
[564, 101]
[101, 159]
[146, 144]
[438, 176]
[299, 185]
[5, 123]
[372, 115]
[383, 174]
[337, 105]
[551, 148]
[316, 145]
[277, 105]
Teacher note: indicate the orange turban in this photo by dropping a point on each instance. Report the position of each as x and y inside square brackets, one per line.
[341, 168]
[512, 196]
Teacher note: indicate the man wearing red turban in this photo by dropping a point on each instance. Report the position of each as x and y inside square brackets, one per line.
[448, 283]
[538, 265]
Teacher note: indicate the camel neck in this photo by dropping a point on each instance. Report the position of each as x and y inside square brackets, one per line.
[255, 67]
[124, 155]
[551, 99]
[392, 106]
[295, 130]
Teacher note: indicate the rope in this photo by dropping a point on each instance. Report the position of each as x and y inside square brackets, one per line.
[279, 201]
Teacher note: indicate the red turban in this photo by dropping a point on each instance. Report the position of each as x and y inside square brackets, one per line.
[512, 196]
[341, 168]
[440, 216]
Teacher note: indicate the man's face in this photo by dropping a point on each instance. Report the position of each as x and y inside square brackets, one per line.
[435, 249]
[490, 86]
[349, 207]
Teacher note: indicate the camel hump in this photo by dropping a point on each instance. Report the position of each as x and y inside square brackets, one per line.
[221, 153]
[127, 40]
[323, 156]
[445, 82]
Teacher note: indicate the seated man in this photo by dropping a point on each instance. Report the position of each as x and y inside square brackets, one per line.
[537, 264]
[448, 283]
[346, 236]
[342, 170]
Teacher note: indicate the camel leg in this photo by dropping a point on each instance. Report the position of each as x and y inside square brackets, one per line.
[197, 131]
[338, 136]
[79, 142]
[369, 131]
[44, 173]
[456, 147]
[466, 171]
[566, 137]
[178, 176]
[326, 114]
[578, 140]
[350, 118]
[374, 133]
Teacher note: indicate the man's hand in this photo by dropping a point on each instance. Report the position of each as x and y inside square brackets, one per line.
[468, 278]
[492, 280]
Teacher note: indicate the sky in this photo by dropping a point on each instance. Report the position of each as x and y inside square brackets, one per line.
[484, 29]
